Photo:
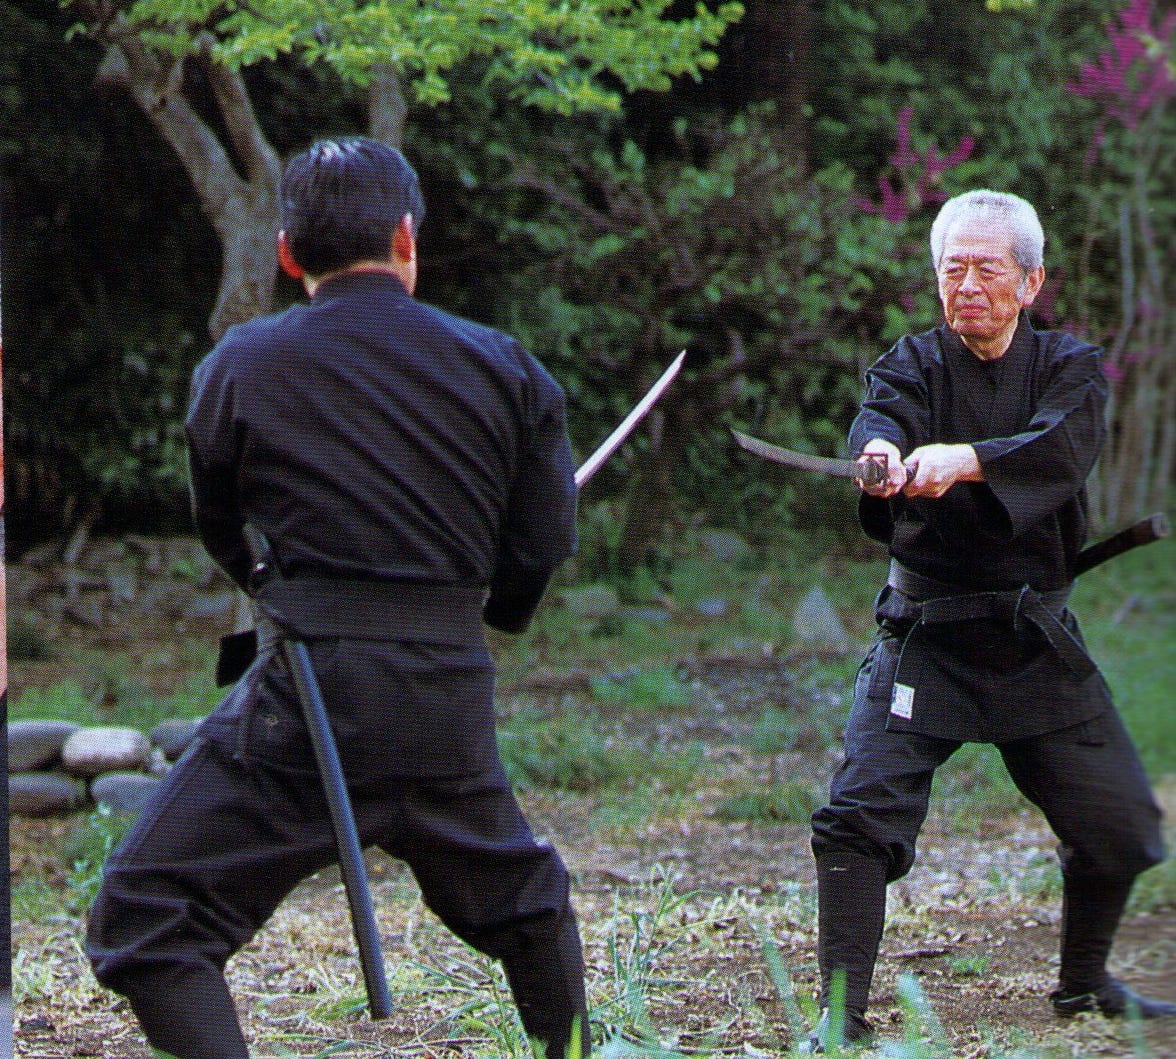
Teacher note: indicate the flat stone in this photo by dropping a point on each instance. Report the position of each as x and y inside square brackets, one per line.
[210, 606]
[816, 622]
[35, 744]
[125, 792]
[93, 751]
[173, 735]
[44, 794]
[725, 546]
[646, 615]
[712, 608]
[591, 601]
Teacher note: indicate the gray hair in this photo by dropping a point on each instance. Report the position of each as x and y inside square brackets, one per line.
[1002, 210]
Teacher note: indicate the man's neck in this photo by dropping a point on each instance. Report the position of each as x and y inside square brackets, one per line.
[390, 268]
[991, 348]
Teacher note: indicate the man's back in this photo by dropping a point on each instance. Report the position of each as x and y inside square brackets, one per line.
[372, 436]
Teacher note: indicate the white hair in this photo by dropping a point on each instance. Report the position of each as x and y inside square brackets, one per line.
[1002, 210]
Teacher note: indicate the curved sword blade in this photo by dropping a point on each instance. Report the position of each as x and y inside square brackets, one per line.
[613, 442]
[870, 472]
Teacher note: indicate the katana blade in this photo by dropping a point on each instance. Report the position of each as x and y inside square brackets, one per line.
[871, 472]
[614, 441]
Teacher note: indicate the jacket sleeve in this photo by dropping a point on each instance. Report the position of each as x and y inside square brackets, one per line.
[1033, 473]
[540, 526]
[896, 405]
[212, 436]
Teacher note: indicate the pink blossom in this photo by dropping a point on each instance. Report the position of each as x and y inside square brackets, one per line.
[1129, 78]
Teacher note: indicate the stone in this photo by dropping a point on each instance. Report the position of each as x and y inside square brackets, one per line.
[712, 608]
[93, 751]
[815, 622]
[125, 792]
[173, 735]
[644, 615]
[36, 744]
[592, 601]
[724, 545]
[44, 794]
[211, 606]
[122, 582]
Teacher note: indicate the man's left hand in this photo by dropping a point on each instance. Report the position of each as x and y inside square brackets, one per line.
[936, 468]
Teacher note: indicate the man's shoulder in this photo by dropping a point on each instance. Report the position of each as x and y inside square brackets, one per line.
[506, 351]
[1064, 343]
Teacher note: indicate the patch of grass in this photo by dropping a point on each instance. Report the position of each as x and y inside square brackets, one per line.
[644, 689]
[112, 694]
[35, 901]
[65, 701]
[968, 966]
[791, 802]
[975, 778]
[578, 752]
[1128, 613]
[86, 851]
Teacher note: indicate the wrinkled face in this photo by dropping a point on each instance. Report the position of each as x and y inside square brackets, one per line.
[981, 286]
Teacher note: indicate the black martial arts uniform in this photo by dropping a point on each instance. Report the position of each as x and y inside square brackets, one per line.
[412, 466]
[975, 644]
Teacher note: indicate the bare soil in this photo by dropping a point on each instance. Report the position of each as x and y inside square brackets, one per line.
[672, 899]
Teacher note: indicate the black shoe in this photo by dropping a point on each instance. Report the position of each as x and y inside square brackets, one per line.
[1113, 1000]
[858, 1033]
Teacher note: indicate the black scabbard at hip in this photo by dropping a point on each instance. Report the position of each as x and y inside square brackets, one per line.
[326, 753]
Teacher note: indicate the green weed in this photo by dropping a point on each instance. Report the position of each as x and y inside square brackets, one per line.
[791, 802]
[86, 851]
[643, 689]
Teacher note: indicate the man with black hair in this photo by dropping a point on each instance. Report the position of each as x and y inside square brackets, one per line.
[412, 473]
[989, 428]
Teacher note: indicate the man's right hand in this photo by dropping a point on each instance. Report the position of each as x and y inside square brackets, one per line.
[895, 471]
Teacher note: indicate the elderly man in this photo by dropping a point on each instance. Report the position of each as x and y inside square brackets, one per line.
[989, 429]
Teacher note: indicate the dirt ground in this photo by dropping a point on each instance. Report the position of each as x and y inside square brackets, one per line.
[675, 905]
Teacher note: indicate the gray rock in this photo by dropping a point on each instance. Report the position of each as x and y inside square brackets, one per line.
[712, 608]
[93, 751]
[210, 606]
[125, 792]
[35, 744]
[816, 623]
[646, 615]
[592, 601]
[122, 583]
[724, 545]
[173, 736]
[87, 611]
[100, 554]
[44, 793]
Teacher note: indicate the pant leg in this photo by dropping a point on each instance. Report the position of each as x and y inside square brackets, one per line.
[200, 872]
[497, 887]
[865, 836]
[1091, 786]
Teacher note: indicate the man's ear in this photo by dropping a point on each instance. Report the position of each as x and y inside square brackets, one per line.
[1032, 285]
[286, 258]
[404, 240]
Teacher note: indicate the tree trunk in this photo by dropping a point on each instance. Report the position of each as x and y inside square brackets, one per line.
[387, 108]
[778, 47]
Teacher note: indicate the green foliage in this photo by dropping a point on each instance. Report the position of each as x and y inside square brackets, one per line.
[87, 849]
[578, 752]
[642, 690]
[559, 57]
[791, 802]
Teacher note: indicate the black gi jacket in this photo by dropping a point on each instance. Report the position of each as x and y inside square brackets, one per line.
[372, 437]
[1035, 419]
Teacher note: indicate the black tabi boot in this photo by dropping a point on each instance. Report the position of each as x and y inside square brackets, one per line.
[1091, 910]
[851, 892]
